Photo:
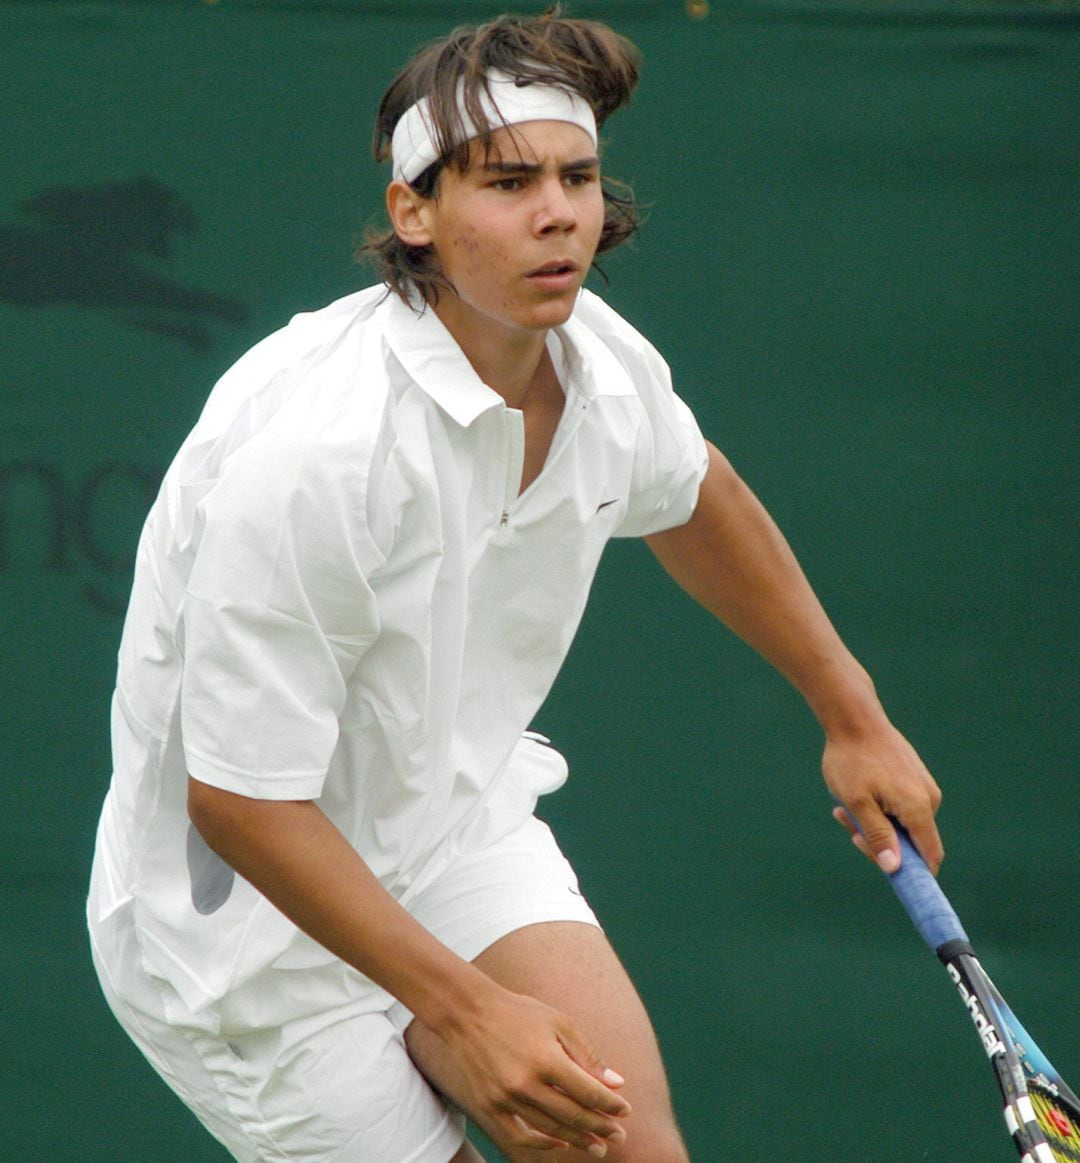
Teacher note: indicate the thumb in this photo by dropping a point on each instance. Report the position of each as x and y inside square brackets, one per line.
[879, 836]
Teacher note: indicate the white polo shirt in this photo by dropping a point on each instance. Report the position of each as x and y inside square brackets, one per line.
[339, 595]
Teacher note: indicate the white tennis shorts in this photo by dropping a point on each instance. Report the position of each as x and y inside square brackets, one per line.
[338, 1084]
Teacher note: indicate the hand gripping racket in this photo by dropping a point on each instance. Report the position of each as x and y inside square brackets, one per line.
[1041, 1112]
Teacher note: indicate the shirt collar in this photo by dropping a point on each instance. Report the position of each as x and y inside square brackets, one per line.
[590, 363]
[437, 365]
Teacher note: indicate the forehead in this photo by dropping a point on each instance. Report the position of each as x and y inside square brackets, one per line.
[532, 142]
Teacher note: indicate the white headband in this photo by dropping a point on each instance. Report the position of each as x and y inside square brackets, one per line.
[414, 146]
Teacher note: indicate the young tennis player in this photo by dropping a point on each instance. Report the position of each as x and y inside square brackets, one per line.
[322, 904]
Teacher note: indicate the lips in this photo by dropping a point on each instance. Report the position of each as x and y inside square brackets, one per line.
[558, 277]
[559, 266]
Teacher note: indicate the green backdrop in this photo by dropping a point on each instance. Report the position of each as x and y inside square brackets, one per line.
[861, 260]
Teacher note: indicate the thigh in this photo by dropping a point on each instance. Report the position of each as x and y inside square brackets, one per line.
[572, 967]
[522, 879]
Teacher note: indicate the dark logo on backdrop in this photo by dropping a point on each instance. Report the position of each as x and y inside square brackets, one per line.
[82, 528]
[98, 247]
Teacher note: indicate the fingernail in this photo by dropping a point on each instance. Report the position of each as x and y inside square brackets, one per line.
[888, 861]
[618, 1136]
[598, 1149]
[614, 1079]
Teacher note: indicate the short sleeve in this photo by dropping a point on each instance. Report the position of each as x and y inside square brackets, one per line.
[671, 455]
[278, 612]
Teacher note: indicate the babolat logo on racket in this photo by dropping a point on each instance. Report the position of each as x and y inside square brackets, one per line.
[992, 1043]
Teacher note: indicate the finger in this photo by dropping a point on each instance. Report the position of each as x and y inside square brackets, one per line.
[571, 1124]
[922, 829]
[841, 816]
[877, 834]
[860, 843]
[593, 1084]
[558, 1114]
[522, 1134]
[920, 826]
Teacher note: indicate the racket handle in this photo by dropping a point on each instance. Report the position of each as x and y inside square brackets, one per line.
[921, 895]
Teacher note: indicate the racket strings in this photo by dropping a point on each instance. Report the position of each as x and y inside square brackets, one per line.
[1059, 1125]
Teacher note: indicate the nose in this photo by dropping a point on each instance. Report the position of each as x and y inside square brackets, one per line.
[556, 211]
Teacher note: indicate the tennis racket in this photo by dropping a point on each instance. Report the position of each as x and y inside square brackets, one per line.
[1041, 1112]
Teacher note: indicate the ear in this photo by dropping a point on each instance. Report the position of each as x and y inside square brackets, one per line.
[409, 212]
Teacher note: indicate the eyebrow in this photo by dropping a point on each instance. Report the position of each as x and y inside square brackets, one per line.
[523, 167]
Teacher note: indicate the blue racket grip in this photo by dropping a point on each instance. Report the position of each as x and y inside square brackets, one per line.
[921, 895]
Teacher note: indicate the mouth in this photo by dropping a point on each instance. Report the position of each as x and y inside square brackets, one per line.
[552, 269]
[555, 275]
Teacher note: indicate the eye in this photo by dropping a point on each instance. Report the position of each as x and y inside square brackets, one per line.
[507, 184]
[580, 178]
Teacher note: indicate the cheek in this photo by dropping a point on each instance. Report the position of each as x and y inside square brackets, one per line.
[466, 243]
[598, 211]
[484, 256]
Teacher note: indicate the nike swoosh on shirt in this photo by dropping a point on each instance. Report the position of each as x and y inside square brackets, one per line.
[604, 504]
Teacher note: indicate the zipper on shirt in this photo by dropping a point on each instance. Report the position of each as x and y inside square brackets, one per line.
[514, 432]
[514, 435]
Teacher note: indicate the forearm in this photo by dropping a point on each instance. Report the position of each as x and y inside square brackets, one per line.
[294, 855]
[732, 558]
[520, 1068]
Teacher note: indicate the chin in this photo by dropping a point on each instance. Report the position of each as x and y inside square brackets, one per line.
[555, 312]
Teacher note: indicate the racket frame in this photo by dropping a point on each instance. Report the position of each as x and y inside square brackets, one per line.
[990, 1016]
[1018, 1063]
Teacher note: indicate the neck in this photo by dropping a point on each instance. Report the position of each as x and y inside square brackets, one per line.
[506, 360]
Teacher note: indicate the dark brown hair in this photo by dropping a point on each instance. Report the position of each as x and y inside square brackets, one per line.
[584, 56]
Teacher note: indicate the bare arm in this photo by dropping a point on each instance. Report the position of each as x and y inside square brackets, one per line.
[532, 1074]
[732, 559]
